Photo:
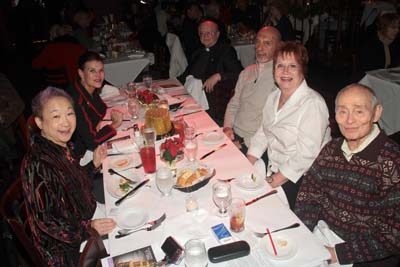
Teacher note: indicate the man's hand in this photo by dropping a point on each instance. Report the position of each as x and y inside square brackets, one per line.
[103, 226]
[211, 82]
[333, 255]
[228, 131]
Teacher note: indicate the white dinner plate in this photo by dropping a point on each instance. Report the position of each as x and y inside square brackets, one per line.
[247, 183]
[191, 107]
[132, 218]
[286, 247]
[213, 138]
[120, 162]
[113, 183]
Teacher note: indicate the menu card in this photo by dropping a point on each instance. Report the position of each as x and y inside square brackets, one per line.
[140, 257]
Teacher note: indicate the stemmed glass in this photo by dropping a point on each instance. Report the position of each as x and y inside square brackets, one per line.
[164, 181]
[147, 81]
[133, 108]
[222, 197]
[191, 149]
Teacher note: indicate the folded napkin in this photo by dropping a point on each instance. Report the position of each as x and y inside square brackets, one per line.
[125, 146]
[328, 238]
[195, 89]
[260, 169]
[109, 91]
[86, 158]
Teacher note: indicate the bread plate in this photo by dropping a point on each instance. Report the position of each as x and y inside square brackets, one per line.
[202, 173]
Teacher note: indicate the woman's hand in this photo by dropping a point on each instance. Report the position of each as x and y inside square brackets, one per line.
[99, 154]
[228, 131]
[278, 179]
[103, 226]
[116, 118]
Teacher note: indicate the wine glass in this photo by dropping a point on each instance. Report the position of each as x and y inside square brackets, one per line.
[164, 181]
[191, 149]
[222, 197]
[147, 81]
[195, 253]
[133, 108]
[190, 129]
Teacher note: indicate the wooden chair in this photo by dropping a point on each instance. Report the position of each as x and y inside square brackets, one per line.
[13, 211]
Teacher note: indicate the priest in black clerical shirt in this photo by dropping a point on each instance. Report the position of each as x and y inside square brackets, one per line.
[217, 66]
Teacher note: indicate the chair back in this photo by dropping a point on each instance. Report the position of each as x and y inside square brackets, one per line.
[13, 211]
[55, 77]
[178, 61]
[93, 251]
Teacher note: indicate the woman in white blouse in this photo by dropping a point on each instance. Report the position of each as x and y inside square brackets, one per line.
[295, 123]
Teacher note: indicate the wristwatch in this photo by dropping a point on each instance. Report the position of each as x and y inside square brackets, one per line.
[269, 179]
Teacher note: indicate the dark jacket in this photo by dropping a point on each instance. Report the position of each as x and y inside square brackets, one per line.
[90, 110]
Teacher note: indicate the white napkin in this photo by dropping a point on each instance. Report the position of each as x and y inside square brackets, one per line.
[195, 88]
[86, 158]
[260, 169]
[109, 91]
[328, 238]
[125, 146]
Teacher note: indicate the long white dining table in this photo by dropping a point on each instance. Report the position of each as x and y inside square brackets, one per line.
[228, 162]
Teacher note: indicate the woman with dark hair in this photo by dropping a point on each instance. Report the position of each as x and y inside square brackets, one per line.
[57, 190]
[90, 108]
[278, 18]
[295, 123]
[382, 49]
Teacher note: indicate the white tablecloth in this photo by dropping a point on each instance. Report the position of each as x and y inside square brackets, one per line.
[122, 70]
[228, 162]
[386, 85]
[246, 53]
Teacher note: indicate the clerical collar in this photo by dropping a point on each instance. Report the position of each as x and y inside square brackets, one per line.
[348, 154]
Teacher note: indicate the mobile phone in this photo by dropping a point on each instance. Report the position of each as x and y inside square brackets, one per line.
[222, 234]
[173, 251]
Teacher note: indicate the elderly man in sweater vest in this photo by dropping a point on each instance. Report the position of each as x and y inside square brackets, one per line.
[354, 185]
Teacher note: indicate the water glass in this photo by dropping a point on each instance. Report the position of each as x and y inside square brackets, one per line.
[237, 214]
[195, 253]
[131, 90]
[190, 129]
[133, 108]
[190, 149]
[179, 126]
[222, 197]
[149, 135]
[164, 181]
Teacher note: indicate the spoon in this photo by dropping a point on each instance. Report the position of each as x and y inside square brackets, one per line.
[294, 225]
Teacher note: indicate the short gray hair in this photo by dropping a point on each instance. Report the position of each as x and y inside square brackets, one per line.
[374, 99]
[44, 96]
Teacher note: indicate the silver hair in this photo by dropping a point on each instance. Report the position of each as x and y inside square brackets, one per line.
[372, 95]
[44, 96]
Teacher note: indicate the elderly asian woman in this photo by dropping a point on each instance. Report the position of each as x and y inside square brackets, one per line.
[90, 108]
[57, 190]
[295, 123]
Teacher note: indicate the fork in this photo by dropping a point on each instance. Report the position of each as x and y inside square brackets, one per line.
[295, 225]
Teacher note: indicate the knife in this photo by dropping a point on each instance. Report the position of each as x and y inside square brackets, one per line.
[260, 197]
[119, 201]
[212, 151]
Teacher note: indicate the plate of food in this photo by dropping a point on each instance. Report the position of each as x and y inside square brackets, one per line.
[249, 181]
[118, 186]
[120, 162]
[213, 138]
[193, 177]
[131, 218]
[286, 247]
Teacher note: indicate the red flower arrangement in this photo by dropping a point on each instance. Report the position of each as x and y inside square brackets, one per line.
[172, 149]
[146, 97]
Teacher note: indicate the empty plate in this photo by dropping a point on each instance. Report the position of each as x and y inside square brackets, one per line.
[213, 138]
[286, 247]
[131, 218]
[246, 182]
